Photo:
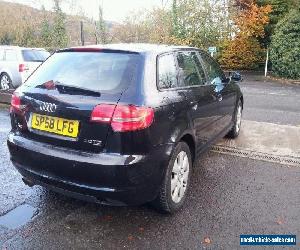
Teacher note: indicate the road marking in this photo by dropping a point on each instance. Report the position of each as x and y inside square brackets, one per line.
[18, 217]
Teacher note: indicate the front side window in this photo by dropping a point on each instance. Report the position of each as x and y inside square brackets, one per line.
[199, 67]
[10, 55]
[167, 72]
[214, 72]
[189, 74]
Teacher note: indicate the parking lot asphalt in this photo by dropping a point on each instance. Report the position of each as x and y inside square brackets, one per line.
[229, 195]
[271, 102]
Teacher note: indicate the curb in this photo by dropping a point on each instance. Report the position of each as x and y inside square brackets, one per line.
[283, 80]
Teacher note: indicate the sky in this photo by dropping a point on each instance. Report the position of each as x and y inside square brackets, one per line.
[114, 10]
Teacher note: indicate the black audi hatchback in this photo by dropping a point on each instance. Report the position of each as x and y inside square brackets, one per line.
[121, 124]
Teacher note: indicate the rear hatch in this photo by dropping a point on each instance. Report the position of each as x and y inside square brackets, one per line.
[59, 98]
[32, 58]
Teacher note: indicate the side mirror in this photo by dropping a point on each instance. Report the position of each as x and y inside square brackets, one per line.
[235, 76]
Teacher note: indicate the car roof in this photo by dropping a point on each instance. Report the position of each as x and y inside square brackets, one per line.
[134, 47]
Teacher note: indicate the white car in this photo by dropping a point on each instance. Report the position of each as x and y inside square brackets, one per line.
[17, 64]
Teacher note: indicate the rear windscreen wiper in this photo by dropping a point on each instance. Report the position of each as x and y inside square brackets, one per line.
[75, 90]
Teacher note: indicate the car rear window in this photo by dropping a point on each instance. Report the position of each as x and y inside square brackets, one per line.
[32, 55]
[97, 71]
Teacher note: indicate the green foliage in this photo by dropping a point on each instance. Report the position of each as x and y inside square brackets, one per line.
[101, 32]
[7, 38]
[59, 33]
[53, 34]
[241, 53]
[46, 34]
[36, 30]
[279, 9]
[285, 46]
[200, 22]
[28, 38]
[235, 27]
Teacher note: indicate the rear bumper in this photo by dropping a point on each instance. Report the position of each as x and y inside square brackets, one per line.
[104, 177]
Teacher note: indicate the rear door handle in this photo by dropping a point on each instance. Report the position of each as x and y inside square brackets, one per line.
[218, 97]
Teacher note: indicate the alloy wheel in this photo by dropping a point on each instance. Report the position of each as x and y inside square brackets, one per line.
[179, 178]
[5, 82]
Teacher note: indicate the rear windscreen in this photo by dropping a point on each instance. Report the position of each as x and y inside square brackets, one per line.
[32, 55]
[97, 71]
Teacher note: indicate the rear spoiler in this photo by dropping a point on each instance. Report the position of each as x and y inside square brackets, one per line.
[91, 49]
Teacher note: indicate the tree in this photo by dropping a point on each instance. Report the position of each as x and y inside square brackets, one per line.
[133, 29]
[7, 38]
[285, 46]
[46, 31]
[243, 51]
[101, 32]
[159, 23]
[200, 23]
[279, 9]
[28, 37]
[59, 34]
[252, 19]
[46, 34]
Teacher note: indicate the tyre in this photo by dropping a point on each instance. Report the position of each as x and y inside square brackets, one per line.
[174, 188]
[5, 82]
[234, 132]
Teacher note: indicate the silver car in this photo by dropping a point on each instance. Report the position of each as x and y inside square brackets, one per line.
[17, 64]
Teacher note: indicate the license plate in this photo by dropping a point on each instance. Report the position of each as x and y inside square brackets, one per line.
[56, 125]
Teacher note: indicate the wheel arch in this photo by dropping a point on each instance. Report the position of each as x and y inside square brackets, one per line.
[190, 141]
[5, 71]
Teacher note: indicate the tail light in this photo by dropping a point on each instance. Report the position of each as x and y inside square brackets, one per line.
[18, 112]
[123, 117]
[103, 113]
[22, 67]
[15, 103]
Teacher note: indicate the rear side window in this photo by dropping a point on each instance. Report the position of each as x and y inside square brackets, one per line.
[10, 55]
[31, 55]
[214, 72]
[167, 72]
[189, 74]
[97, 71]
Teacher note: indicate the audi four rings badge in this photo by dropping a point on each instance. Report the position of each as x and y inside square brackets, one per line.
[48, 107]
